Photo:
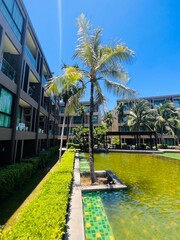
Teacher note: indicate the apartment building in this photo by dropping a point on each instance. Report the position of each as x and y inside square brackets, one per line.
[120, 124]
[76, 119]
[28, 116]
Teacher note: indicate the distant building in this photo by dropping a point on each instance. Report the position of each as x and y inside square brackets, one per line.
[75, 119]
[120, 124]
[28, 117]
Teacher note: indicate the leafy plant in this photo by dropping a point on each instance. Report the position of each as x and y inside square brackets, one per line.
[45, 216]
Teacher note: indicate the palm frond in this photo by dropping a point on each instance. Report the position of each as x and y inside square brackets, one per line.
[115, 71]
[119, 89]
[100, 99]
[112, 55]
[55, 85]
[73, 101]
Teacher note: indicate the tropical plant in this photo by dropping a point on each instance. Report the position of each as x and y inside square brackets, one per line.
[140, 116]
[108, 119]
[99, 135]
[68, 87]
[102, 63]
[120, 110]
[167, 119]
[82, 113]
[80, 136]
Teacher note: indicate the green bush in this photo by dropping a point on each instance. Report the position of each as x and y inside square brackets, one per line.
[73, 145]
[45, 216]
[13, 177]
[162, 146]
[174, 147]
[124, 146]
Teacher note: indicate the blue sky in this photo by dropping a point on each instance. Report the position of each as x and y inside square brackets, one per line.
[150, 28]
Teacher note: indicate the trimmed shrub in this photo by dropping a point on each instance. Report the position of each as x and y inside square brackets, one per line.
[73, 145]
[13, 177]
[124, 146]
[174, 147]
[45, 216]
[162, 146]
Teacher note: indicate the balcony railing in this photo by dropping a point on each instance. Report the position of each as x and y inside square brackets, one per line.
[30, 56]
[8, 70]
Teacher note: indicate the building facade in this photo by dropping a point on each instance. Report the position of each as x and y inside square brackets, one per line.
[120, 124]
[79, 118]
[28, 116]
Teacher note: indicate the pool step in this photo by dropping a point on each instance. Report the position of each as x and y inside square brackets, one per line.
[96, 222]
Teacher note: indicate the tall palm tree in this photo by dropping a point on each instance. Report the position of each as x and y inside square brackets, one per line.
[108, 119]
[68, 87]
[102, 63]
[82, 114]
[140, 116]
[120, 112]
[167, 119]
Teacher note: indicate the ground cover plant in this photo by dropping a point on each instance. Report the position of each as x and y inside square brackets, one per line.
[45, 216]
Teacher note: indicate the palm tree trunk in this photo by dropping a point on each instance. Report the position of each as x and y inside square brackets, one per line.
[91, 154]
[70, 124]
[62, 134]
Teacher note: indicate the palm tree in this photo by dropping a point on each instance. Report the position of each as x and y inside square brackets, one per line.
[167, 119]
[68, 87]
[108, 119]
[101, 63]
[140, 116]
[120, 111]
[82, 112]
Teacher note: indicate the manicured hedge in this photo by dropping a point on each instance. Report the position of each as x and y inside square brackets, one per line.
[45, 216]
[14, 176]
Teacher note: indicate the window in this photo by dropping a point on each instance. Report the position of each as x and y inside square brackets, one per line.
[95, 119]
[6, 99]
[77, 120]
[177, 103]
[13, 15]
[158, 102]
[62, 109]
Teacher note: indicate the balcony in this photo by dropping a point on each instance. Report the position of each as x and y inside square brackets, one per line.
[8, 70]
[30, 56]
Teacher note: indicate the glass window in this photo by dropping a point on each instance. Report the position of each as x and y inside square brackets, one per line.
[9, 5]
[18, 18]
[62, 109]
[77, 120]
[95, 119]
[13, 15]
[6, 99]
[177, 103]
[5, 121]
[158, 102]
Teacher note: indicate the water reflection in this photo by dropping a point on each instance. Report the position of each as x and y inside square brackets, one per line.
[150, 207]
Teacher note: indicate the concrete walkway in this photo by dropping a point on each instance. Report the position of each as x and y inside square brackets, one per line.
[75, 224]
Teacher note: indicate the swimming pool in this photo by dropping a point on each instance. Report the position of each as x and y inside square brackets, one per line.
[150, 207]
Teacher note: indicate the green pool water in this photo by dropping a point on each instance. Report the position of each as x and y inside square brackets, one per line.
[150, 207]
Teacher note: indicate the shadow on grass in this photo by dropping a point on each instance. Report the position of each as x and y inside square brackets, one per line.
[9, 205]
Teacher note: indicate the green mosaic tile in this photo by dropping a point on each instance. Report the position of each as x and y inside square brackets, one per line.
[96, 222]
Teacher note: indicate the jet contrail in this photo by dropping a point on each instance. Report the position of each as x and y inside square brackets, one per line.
[60, 29]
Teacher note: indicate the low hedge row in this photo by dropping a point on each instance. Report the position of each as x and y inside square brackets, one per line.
[45, 216]
[14, 176]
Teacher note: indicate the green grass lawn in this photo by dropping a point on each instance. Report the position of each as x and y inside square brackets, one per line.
[171, 155]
